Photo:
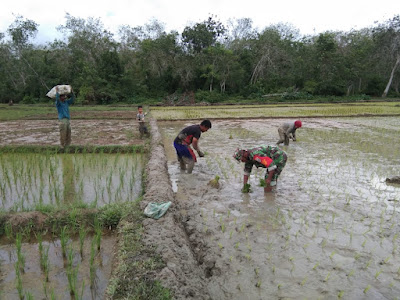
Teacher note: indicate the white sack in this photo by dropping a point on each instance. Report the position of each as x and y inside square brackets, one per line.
[62, 90]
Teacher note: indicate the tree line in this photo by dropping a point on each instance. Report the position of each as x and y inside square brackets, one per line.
[209, 60]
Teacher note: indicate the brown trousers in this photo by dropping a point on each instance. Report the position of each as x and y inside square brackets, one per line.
[65, 132]
[283, 137]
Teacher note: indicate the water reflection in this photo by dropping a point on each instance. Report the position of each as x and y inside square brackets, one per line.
[27, 180]
[68, 179]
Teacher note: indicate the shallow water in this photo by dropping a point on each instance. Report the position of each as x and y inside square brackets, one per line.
[34, 282]
[27, 179]
[331, 227]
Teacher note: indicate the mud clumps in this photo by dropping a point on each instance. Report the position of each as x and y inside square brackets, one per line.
[214, 182]
[394, 179]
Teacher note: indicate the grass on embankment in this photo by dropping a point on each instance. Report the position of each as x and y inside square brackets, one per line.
[73, 149]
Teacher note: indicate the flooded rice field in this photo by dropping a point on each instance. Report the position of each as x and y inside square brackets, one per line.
[48, 274]
[28, 180]
[329, 230]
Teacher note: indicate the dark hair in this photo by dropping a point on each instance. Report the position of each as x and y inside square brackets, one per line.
[206, 123]
[140, 106]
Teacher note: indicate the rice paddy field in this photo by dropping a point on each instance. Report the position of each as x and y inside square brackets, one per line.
[329, 230]
[29, 180]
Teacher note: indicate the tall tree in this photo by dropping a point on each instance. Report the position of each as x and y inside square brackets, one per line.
[203, 35]
[387, 36]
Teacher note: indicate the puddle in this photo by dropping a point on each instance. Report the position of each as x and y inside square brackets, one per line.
[30, 179]
[329, 230]
[34, 280]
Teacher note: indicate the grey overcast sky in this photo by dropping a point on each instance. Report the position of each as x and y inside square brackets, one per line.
[309, 16]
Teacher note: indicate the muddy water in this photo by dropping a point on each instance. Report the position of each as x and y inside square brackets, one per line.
[27, 180]
[331, 227]
[34, 282]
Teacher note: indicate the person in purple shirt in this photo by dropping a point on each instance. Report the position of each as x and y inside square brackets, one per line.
[62, 104]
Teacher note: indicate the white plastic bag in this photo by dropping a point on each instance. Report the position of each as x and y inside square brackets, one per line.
[63, 89]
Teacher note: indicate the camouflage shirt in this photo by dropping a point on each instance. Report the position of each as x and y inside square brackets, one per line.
[277, 155]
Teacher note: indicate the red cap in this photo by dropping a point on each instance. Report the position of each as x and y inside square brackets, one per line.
[297, 124]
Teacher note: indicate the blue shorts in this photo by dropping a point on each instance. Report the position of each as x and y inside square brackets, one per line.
[184, 151]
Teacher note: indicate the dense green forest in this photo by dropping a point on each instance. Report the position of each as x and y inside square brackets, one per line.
[207, 62]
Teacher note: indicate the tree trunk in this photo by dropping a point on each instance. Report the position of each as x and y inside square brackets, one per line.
[349, 88]
[222, 85]
[385, 92]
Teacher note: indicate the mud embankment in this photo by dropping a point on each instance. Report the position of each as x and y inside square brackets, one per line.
[189, 261]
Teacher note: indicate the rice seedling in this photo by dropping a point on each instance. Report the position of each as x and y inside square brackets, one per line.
[246, 188]
[367, 289]
[304, 281]
[64, 238]
[315, 266]
[82, 235]
[378, 273]
[20, 256]
[258, 284]
[327, 277]
[19, 281]
[214, 182]
[45, 262]
[92, 270]
[8, 231]
[98, 234]
[368, 264]
[72, 276]
[351, 273]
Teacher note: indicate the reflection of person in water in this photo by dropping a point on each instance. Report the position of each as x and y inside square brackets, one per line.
[68, 178]
[288, 131]
[190, 136]
[270, 157]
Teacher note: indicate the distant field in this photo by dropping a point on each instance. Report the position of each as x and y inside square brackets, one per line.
[281, 110]
[16, 112]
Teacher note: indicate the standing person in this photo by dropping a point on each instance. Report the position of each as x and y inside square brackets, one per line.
[270, 157]
[62, 104]
[288, 131]
[142, 124]
[190, 135]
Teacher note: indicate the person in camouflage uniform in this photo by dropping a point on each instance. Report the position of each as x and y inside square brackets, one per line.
[270, 157]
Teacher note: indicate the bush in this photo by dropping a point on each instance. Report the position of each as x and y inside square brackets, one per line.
[110, 215]
[29, 100]
[210, 97]
[297, 96]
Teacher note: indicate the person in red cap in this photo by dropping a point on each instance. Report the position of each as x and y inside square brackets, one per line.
[288, 131]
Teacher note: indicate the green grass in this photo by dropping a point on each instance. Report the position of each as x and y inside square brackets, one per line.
[276, 111]
[285, 109]
[136, 264]
[72, 217]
